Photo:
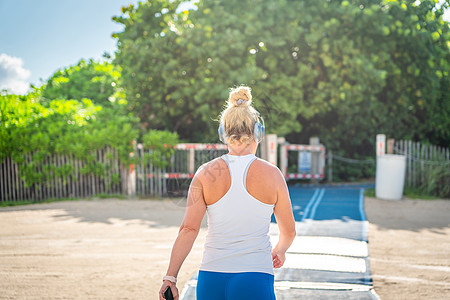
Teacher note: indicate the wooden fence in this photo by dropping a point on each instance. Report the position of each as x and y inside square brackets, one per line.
[427, 166]
[173, 180]
[111, 179]
[140, 179]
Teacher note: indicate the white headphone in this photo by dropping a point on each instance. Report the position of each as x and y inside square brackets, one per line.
[258, 131]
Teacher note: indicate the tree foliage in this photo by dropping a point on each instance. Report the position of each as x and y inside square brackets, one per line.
[341, 70]
[97, 81]
[66, 127]
[57, 119]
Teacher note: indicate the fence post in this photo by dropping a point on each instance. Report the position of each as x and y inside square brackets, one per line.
[315, 156]
[283, 160]
[191, 166]
[330, 166]
[390, 146]
[132, 174]
[269, 148]
[380, 146]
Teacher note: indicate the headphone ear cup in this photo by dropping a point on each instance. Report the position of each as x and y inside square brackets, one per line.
[258, 132]
[222, 134]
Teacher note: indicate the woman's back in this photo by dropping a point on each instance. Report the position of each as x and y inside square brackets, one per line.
[262, 181]
[238, 222]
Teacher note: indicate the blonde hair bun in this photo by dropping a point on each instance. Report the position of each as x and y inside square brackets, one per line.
[238, 119]
[240, 96]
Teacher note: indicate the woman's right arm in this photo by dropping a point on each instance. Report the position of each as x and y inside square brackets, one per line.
[285, 220]
[189, 229]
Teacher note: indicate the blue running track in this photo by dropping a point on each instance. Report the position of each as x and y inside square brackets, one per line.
[337, 212]
[329, 257]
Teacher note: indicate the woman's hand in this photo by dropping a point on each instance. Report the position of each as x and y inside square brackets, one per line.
[278, 258]
[170, 285]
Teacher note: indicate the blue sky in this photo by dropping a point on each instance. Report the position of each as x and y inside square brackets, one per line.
[47, 35]
[38, 37]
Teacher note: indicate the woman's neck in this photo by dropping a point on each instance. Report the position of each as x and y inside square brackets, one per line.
[242, 149]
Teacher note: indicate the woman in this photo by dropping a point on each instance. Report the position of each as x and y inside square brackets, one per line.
[240, 193]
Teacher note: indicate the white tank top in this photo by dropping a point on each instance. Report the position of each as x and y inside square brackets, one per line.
[238, 226]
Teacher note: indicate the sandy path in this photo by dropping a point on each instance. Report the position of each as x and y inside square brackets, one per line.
[409, 242]
[98, 249]
[119, 249]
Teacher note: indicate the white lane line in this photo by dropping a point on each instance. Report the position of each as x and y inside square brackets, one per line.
[308, 220]
[313, 212]
[365, 225]
[365, 230]
[285, 285]
[323, 262]
[310, 203]
[326, 245]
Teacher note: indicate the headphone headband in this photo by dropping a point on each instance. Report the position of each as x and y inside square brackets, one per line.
[258, 130]
[262, 119]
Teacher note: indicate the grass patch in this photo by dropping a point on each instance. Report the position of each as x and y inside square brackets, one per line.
[369, 193]
[415, 193]
[28, 202]
[106, 196]
[409, 193]
[15, 203]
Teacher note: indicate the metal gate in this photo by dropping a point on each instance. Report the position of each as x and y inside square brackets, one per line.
[307, 161]
[172, 180]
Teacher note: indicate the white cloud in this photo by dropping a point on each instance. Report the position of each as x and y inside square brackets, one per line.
[13, 76]
[446, 15]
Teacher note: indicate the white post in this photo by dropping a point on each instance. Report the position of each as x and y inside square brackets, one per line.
[132, 179]
[270, 148]
[191, 166]
[315, 156]
[330, 166]
[283, 160]
[132, 174]
[381, 145]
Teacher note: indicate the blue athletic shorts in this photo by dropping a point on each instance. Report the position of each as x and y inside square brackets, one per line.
[235, 286]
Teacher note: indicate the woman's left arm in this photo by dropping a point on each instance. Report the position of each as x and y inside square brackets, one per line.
[195, 210]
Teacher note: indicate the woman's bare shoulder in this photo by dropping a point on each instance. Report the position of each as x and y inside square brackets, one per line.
[266, 166]
[212, 169]
[264, 180]
[267, 170]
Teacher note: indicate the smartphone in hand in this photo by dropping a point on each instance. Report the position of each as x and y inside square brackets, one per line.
[168, 293]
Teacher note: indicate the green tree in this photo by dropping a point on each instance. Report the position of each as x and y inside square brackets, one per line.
[31, 125]
[409, 45]
[98, 81]
[343, 70]
[67, 127]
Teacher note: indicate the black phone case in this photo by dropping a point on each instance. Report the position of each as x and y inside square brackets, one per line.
[168, 294]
